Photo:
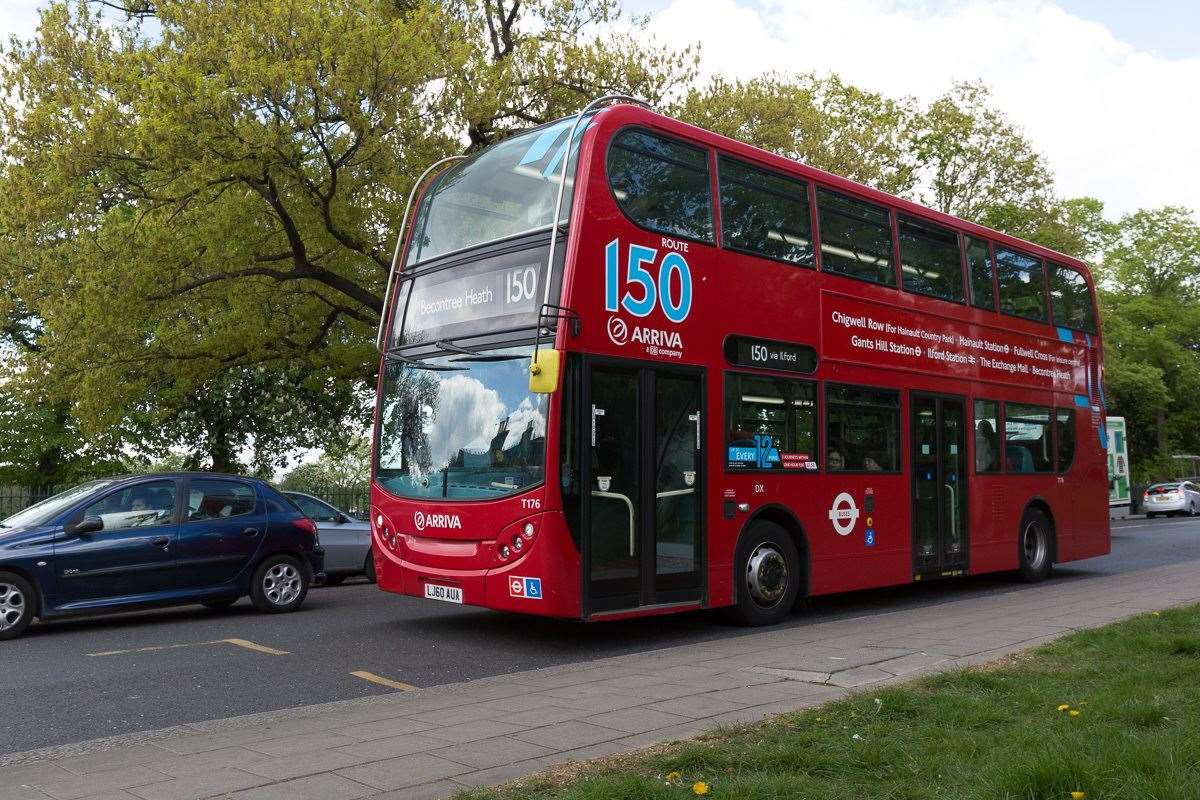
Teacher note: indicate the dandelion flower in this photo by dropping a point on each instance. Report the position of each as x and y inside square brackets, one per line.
[1063, 707]
[1074, 712]
[700, 788]
[673, 776]
[1077, 795]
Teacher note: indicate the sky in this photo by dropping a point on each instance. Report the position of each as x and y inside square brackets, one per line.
[1106, 90]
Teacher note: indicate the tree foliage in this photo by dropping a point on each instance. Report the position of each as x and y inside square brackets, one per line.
[821, 121]
[1151, 308]
[200, 199]
[345, 466]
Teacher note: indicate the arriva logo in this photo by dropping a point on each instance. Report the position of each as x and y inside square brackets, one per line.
[446, 521]
[618, 331]
[658, 338]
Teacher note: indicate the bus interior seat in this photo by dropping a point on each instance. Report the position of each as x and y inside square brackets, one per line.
[1019, 458]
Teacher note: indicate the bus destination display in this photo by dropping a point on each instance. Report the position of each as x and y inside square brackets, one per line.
[482, 299]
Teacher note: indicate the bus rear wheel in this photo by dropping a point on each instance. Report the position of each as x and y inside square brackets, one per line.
[768, 575]
[1035, 546]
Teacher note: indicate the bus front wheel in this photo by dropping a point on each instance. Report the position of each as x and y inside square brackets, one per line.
[1035, 546]
[768, 575]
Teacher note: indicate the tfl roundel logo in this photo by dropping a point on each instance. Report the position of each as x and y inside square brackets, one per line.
[529, 588]
[419, 520]
[618, 331]
[843, 514]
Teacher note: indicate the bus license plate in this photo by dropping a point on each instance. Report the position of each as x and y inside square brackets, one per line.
[447, 594]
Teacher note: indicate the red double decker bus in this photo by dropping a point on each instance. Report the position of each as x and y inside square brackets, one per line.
[723, 378]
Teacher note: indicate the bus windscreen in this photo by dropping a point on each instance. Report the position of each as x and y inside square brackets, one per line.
[506, 190]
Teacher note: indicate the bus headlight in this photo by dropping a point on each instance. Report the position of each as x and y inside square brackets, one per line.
[529, 530]
[518, 543]
[504, 552]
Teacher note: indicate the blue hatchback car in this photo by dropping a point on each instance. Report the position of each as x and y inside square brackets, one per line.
[173, 539]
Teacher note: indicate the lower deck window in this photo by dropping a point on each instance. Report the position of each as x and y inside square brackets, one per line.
[862, 429]
[1027, 439]
[770, 423]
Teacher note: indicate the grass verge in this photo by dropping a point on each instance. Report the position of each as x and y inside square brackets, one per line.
[1112, 713]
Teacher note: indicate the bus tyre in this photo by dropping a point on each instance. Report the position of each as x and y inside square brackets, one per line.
[17, 603]
[1035, 546]
[279, 585]
[768, 575]
[369, 567]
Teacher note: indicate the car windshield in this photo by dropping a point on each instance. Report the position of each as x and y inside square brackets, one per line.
[467, 433]
[508, 189]
[50, 508]
[1165, 487]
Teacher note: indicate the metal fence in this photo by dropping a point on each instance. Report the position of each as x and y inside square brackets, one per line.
[355, 502]
[15, 498]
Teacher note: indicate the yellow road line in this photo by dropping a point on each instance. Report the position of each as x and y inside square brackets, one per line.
[258, 648]
[391, 684]
[153, 648]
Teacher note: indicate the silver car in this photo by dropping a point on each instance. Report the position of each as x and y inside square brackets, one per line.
[1182, 497]
[347, 540]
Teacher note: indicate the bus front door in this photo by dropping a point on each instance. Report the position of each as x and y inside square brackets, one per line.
[939, 485]
[642, 524]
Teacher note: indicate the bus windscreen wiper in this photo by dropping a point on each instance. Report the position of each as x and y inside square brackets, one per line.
[412, 362]
[471, 355]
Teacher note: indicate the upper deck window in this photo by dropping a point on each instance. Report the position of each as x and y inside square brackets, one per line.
[1022, 290]
[929, 259]
[661, 184]
[856, 238]
[981, 269]
[508, 189]
[1072, 299]
[765, 213]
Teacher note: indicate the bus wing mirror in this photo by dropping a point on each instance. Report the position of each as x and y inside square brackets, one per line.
[543, 371]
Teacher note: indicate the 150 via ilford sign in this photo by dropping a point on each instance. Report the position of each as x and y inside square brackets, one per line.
[875, 334]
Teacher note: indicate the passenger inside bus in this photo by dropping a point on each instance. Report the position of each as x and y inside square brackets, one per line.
[985, 453]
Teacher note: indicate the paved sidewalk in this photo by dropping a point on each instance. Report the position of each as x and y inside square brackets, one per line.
[432, 742]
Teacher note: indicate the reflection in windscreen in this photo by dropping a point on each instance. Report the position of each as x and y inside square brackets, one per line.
[508, 189]
[466, 434]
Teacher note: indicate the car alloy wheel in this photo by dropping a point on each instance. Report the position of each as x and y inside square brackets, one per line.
[12, 606]
[281, 584]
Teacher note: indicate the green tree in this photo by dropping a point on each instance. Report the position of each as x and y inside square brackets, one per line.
[344, 467]
[1076, 226]
[972, 158]
[1151, 305]
[199, 214]
[821, 121]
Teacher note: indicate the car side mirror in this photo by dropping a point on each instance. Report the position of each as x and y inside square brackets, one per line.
[89, 524]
